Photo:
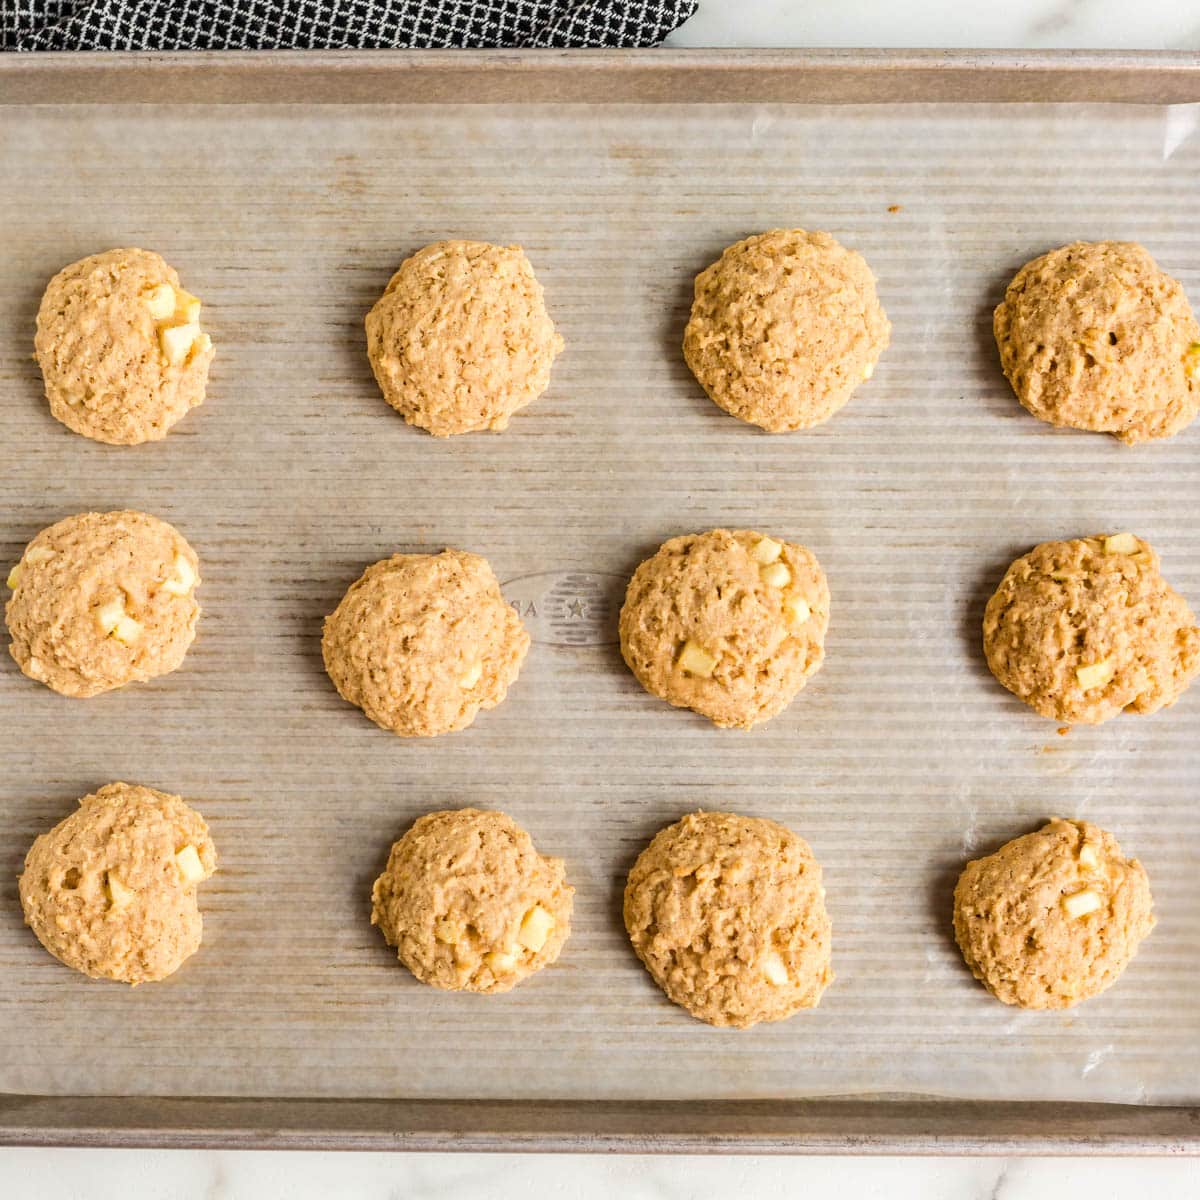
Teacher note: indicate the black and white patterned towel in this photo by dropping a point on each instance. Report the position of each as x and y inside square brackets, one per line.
[333, 24]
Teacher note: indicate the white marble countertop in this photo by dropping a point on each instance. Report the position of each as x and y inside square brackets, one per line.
[261, 1175]
[134, 1175]
[1079, 24]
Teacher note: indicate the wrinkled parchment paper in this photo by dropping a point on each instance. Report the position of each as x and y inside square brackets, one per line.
[902, 759]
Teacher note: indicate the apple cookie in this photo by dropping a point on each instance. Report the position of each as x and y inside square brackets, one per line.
[728, 915]
[1053, 917]
[422, 642]
[111, 890]
[461, 339]
[100, 600]
[1085, 629]
[120, 347]
[784, 326]
[470, 904]
[730, 625]
[1096, 336]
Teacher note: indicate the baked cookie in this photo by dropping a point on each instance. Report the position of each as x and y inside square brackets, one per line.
[1095, 336]
[120, 346]
[469, 903]
[1052, 917]
[111, 891]
[422, 642]
[728, 915]
[100, 600]
[1085, 629]
[461, 338]
[731, 625]
[784, 326]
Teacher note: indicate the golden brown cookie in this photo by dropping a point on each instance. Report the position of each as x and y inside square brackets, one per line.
[461, 338]
[1096, 336]
[100, 600]
[111, 890]
[784, 326]
[728, 915]
[1052, 917]
[731, 625]
[422, 642]
[1086, 629]
[470, 904]
[120, 346]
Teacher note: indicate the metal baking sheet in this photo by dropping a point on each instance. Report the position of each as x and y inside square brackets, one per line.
[286, 191]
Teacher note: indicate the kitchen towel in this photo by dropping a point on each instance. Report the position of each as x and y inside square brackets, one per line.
[334, 24]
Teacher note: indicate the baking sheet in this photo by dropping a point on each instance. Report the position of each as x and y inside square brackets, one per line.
[900, 760]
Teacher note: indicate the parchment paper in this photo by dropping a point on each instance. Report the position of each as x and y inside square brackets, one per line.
[901, 759]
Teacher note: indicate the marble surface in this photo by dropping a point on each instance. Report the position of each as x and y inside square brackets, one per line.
[1082, 24]
[186, 1175]
[134, 1175]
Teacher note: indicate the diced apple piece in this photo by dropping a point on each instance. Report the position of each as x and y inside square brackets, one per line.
[1081, 903]
[127, 631]
[695, 660]
[1120, 543]
[160, 301]
[187, 307]
[177, 341]
[471, 678]
[501, 962]
[775, 575]
[110, 615]
[1088, 858]
[190, 866]
[14, 576]
[767, 551]
[535, 928]
[1095, 674]
[183, 580]
[118, 894]
[797, 610]
[774, 969]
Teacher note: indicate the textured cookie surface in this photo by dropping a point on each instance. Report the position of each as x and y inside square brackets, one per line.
[728, 915]
[100, 600]
[1052, 917]
[422, 642]
[470, 904]
[1085, 629]
[111, 891]
[784, 326]
[1095, 336]
[120, 346]
[730, 624]
[461, 338]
